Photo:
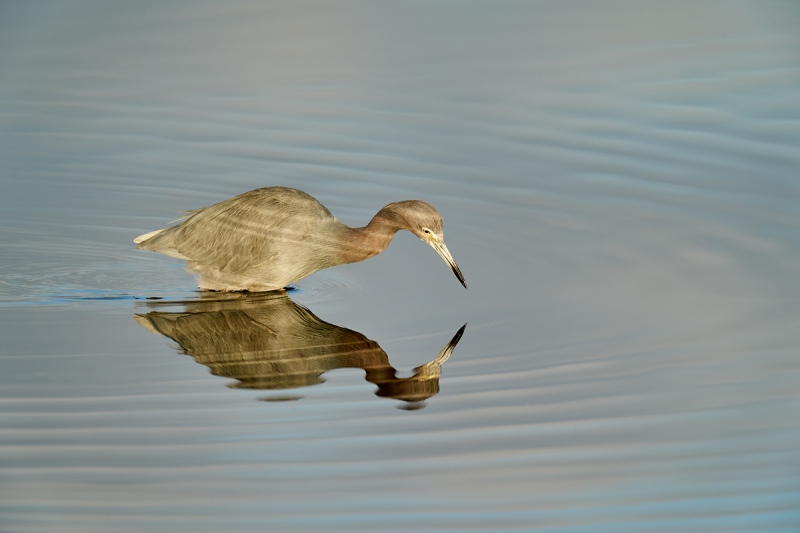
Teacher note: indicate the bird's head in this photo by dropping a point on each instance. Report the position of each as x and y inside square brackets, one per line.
[425, 222]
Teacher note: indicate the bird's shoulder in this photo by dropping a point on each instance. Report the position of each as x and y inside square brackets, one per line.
[268, 207]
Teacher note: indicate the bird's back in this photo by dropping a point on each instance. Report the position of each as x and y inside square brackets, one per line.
[261, 240]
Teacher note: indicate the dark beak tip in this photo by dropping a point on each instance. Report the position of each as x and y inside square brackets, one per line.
[460, 278]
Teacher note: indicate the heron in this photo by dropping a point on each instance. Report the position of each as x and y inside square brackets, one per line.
[268, 238]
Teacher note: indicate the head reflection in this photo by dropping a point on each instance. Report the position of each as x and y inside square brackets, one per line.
[266, 341]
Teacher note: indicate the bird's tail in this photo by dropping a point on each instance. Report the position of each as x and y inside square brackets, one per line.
[141, 238]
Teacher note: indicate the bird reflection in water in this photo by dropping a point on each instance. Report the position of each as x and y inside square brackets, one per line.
[266, 341]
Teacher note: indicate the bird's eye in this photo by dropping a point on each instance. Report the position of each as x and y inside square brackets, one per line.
[426, 231]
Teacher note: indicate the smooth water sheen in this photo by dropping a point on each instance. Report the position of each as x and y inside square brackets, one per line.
[619, 183]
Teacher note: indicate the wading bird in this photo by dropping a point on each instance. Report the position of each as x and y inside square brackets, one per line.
[267, 238]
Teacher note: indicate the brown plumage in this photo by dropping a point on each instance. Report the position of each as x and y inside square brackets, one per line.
[267, 238]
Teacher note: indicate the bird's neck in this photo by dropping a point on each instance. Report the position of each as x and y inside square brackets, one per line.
[372, 239]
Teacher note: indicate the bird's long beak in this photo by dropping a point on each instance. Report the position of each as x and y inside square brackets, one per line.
[442, 250]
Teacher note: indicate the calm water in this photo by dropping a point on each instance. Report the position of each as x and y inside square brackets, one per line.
[619, 183]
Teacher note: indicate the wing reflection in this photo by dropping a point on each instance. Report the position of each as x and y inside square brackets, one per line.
[266, 341]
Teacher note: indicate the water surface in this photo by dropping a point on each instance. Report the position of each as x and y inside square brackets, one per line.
[618, 184]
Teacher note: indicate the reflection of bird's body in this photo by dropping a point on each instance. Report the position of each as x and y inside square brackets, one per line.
[267, 238]
[266, 341]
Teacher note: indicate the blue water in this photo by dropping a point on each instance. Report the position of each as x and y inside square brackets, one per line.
[619, 187]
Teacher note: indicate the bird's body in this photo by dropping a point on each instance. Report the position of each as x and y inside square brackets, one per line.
[267, 238]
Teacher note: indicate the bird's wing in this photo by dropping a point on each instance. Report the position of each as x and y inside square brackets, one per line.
[251, 229]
